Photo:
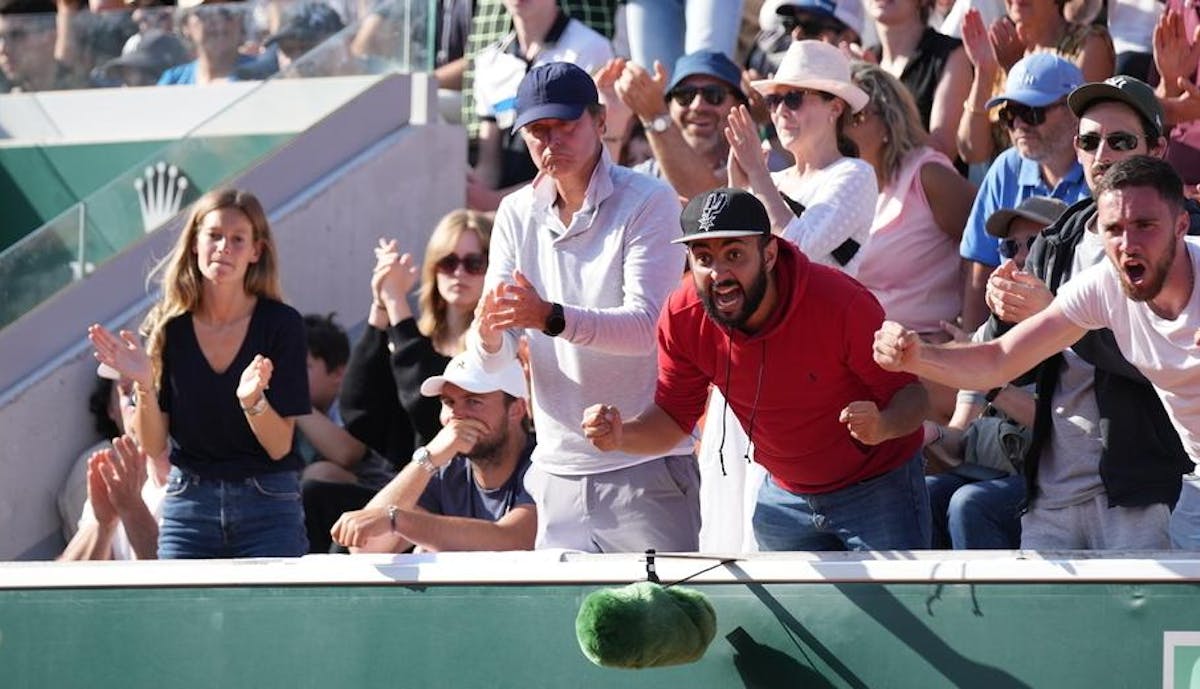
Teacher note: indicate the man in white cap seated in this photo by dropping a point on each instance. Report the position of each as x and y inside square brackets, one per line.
[465, 489]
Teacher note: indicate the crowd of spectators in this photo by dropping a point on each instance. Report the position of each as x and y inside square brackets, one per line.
[734, 274]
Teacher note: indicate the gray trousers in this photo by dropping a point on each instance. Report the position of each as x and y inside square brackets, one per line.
[655, 504]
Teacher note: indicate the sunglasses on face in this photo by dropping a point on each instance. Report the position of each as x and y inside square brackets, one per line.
[1009, 248]
[1028, 114]
[1117, 141]
[791, 99]
[14, 35]
[811, 27]
[474, 264]
[712, 94]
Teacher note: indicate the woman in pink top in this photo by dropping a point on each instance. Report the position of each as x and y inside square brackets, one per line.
[911, 263]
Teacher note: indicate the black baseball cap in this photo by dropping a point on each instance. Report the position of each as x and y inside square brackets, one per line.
[722, 214]
[1135, 93]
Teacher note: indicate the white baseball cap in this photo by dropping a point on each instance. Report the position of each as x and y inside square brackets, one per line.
[467, 372]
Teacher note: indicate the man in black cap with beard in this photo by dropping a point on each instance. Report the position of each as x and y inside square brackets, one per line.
[782, 339]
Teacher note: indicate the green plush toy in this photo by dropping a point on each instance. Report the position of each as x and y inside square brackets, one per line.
[645, 625]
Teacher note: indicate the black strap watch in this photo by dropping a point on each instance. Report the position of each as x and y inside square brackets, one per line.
[555, 322]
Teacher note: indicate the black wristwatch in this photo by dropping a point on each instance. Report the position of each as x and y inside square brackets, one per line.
[555, 323]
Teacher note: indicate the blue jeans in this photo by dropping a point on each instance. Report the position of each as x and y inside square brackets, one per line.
[1185, 518]
[980, 515]
[260, 516]
[888, 512]
[664, 30]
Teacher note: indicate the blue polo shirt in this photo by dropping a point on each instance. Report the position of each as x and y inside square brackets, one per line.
[1010, 180]
[185, 74]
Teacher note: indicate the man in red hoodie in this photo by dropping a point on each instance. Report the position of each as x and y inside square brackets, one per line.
[788, 343]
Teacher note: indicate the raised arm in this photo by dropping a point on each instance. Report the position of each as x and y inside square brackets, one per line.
[646, 96]
[977, 366]
[127, 356]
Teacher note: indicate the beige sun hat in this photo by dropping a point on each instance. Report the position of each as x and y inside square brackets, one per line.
[818, 66]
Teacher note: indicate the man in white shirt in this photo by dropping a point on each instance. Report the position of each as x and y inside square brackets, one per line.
[581, 262]
[1144, 294]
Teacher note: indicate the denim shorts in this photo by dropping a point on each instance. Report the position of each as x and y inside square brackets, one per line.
[205, 518]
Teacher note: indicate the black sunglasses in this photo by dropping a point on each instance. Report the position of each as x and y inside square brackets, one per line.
[713, 94]
[1032, 116]
[1010, 247]
[792, 99]
[811, 27]
[1117, 141]
[474, 264]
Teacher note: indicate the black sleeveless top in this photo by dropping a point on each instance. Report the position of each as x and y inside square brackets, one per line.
[924, 69]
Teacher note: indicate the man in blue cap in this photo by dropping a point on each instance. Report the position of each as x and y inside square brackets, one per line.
[1041, 162]
[581, 262]
[684, 118]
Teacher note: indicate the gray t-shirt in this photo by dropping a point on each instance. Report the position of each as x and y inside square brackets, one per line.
[453, 492]
[1069, 470]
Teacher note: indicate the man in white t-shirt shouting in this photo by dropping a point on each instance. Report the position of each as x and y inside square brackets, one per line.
[1144, 293]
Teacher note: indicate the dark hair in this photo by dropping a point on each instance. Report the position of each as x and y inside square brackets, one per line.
[98, 408]
[327, 340]
[1144, 171]
[43, 7]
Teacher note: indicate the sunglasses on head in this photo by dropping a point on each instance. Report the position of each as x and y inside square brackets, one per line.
[474, 264]
[792, 99]
[1030, 115]
[1117, 141]
[1009, 248]
[713, 94]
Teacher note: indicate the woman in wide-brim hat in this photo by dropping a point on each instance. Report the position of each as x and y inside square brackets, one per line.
[824, 204]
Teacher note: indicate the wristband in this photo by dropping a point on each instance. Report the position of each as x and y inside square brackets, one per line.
[391, 513]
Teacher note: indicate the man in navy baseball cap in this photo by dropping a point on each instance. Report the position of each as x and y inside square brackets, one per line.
[580, 264]
[558, 90]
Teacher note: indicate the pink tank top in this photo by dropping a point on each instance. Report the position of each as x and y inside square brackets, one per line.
[911, 266]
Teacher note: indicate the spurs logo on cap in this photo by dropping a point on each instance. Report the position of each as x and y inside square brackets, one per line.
[713, 205]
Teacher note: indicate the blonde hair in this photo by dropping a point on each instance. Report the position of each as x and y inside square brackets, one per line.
[432, 322]
[891, 100]
[179, 272]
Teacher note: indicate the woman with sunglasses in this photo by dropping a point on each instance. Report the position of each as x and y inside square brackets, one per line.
[381, 401]
[223, 377]
[824, 203]
[1030, 26]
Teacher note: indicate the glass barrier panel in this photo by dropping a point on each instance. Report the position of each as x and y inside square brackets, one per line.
[294, 86]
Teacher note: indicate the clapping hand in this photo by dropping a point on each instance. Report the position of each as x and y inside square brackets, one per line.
[395, 274]
[255, 380]
[1015, 295]
[125, 355]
